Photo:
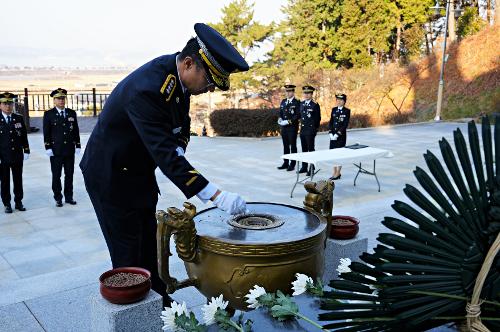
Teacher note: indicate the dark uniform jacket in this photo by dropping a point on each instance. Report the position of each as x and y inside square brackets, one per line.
[290, 112]
[61, 134]
[13, 139]
[143, 122]
[310, 118]
[339, 121]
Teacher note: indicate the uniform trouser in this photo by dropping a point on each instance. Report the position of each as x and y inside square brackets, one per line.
[130, 235]
[17, 179]
[56, 165]
[307, 142]
[289, 138]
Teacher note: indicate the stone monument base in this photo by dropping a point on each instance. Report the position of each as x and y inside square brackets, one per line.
[337, 249]
[135, 317]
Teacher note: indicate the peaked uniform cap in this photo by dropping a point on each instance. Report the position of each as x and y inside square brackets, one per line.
[7, 97]
[289, 87]
[219, 57]
[59, 92]
[308, 89]
[341, 96]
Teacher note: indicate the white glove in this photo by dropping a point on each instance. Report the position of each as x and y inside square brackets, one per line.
[333, 137]
[26, 156]
[77, 151]
[279, 121]
[180, 151]
[231, 203]
[49, 152]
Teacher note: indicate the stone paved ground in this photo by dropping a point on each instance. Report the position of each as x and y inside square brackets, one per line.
[47, 251]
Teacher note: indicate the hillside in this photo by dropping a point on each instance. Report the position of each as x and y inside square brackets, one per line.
[399, 93]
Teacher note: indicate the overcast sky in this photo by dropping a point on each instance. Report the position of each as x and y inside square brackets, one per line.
[106, 32]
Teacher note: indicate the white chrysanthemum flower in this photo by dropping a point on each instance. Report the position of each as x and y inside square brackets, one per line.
[168, 315]
[299, 286]
[344, 265]
[252, 296]
[211, 308]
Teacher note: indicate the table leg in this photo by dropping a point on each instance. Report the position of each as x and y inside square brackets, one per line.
[375, 174]
[357, 174]
[298, 176]
[364, 171]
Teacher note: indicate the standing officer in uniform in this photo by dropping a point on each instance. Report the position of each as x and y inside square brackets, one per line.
[289, 122]
[144, 125]
[14, 149]
[310, 118]
[62, 142]
[339, 121]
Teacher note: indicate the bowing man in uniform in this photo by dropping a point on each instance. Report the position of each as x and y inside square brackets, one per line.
[310, 118]
[339, 121]
[62, 141]
[145, 125]
[289, 123]
[14, 149]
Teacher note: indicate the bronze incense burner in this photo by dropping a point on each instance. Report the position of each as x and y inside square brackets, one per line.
[228, 255]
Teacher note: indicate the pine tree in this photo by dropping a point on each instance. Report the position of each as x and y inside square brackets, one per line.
[240, 28]
[308, 34]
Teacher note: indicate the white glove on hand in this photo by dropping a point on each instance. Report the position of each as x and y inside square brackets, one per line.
[49, 152]
[279, 121]
[77, 151]
[231, 203]
[180, 151]
[333, 137]
[26, 156]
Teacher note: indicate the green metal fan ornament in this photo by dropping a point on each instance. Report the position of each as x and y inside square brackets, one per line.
[441, 264]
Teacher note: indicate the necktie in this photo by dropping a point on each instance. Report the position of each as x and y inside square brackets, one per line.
[8, 119]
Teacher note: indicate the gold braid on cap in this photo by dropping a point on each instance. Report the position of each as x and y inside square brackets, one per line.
[210, 60]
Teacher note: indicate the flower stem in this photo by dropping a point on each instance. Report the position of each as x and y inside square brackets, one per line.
[236, 326]
[298, 314]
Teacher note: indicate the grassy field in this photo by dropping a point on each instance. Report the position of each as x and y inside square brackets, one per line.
[50, 79]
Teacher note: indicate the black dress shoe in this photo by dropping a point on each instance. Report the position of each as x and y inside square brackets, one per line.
[290, 168]
[59, 203]
[20, 207]
[284, 166]
[336, 177]
[8, 209]
[303, 170]
[71, 201]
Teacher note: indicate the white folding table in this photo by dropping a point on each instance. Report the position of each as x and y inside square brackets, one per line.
[338, 157]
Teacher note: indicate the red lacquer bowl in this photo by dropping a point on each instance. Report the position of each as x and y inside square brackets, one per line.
[344, 231]
[126, 294]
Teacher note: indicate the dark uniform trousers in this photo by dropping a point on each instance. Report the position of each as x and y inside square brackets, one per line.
[310, 115]
[144, 121]
[130, 235]
[17, 180]
[62, 135]
[57, 163]
[290, 111]
[13, 145]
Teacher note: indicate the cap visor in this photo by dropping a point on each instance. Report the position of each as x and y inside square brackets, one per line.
[222, 83]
